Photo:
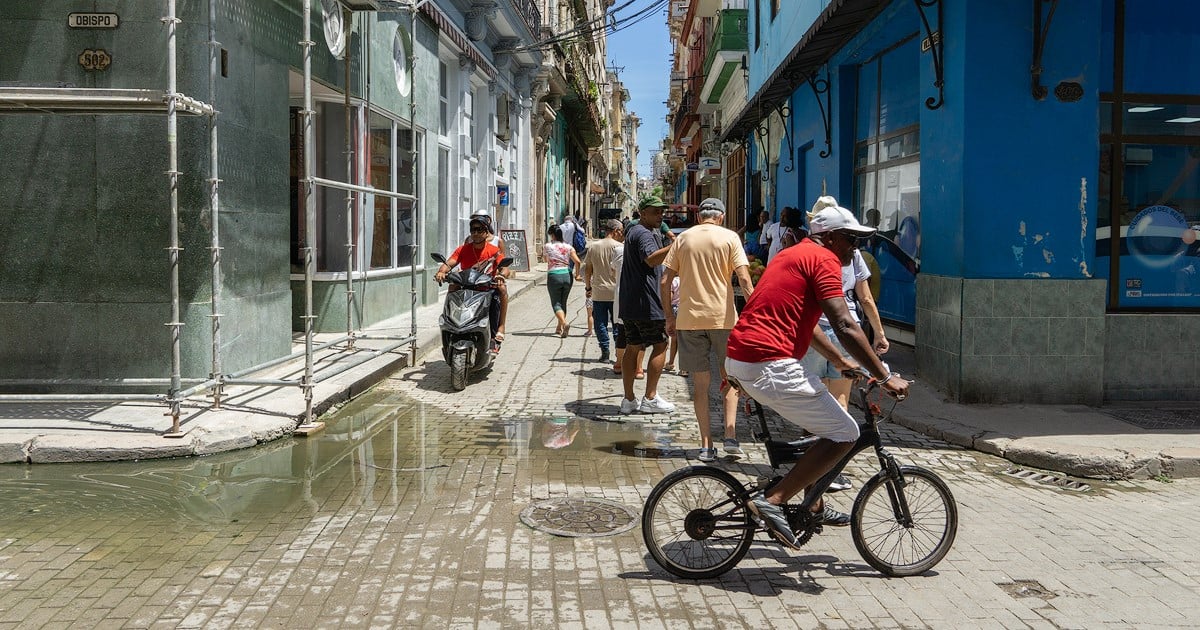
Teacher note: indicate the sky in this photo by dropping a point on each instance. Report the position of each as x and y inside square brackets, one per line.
[644, 50]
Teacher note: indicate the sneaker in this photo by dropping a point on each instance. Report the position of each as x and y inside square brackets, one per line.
[656, 405]
[834, 518]
[629, 406]
[733, 447]
[839, 484]
[708, 455]
[774, 519]
[604, 358]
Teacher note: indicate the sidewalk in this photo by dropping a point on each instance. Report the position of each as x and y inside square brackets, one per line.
[249, 415]
[1072, 439]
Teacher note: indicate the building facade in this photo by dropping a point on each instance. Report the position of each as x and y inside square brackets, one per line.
[426, 110]
[1031, 168]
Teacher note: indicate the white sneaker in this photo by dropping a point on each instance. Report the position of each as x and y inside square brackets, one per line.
[656, 405]
[629, 406]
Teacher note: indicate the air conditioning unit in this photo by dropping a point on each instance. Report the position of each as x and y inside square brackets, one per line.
[361, 5]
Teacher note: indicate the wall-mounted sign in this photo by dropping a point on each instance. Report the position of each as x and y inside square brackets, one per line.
[93, 20]
[693, 166]
[502, 195]
[98, 60]
[709, 162]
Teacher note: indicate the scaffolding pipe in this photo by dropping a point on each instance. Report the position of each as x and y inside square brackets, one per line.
[350, 208]
[273, 362]
[197, 388]
[372, 354]
[310, 213]
[91, 382]
[174, 250]
[214, 182]
[45, 398]
[275, 382]
[329, 183]
[418, 219]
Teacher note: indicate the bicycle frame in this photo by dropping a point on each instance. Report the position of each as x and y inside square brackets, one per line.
[781, 453]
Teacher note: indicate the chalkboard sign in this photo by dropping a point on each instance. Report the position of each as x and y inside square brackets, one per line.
[516, 248]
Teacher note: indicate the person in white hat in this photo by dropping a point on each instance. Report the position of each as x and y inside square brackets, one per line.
[773, 334]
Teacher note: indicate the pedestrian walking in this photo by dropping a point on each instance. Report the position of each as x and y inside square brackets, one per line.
[559, 258]
[704, 259]
[599, 281]
[642, 309]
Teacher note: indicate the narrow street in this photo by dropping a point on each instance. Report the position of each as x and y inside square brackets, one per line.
[408, 511]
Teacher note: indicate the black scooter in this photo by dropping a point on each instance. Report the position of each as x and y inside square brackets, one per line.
[469, 320]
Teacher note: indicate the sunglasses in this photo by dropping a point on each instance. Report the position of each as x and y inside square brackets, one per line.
[478, 230]
[853, 239]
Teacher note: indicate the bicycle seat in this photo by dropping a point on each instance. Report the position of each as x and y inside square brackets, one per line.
[780, 453]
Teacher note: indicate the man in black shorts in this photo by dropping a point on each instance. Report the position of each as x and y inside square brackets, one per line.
[641, 311]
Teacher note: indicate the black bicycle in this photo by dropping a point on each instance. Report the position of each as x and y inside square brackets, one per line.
[697, 525]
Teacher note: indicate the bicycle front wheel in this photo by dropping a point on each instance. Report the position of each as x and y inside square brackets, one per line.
[694, 523]
[888, 541]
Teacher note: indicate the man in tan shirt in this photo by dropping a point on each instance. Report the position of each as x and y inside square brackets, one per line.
[600, 279]
[705, 258]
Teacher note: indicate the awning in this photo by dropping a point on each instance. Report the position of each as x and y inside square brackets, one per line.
[837, 25]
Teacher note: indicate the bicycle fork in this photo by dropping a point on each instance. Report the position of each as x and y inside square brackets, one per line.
[895, 485]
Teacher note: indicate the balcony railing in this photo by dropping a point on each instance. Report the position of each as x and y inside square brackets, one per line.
[730, 33]
[530, 13]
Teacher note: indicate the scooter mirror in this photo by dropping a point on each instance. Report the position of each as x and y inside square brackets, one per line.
[438, 257]
[506, 262]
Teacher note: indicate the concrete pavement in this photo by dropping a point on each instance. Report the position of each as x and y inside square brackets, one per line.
[1077, 440]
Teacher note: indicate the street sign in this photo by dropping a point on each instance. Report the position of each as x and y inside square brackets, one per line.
[93, 20]
[693, 166]
[709, 162]
[95, 59]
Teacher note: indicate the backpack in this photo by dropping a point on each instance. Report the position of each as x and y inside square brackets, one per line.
[579, 241]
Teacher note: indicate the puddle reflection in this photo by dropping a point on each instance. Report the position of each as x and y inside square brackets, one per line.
[381, 448]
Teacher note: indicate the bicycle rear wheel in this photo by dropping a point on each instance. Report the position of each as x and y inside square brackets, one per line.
[694, 524]
[901, 549]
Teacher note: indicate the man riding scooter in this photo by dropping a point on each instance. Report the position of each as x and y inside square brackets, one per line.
[478, 252]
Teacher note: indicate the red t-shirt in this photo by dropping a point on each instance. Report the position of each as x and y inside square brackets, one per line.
[467, 256]
[778, 320]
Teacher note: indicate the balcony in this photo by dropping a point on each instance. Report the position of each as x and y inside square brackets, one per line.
[530, 13]
[725, 52]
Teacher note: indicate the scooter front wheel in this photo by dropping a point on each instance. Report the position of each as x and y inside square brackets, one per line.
[458, 370]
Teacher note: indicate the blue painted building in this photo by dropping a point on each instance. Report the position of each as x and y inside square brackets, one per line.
[995, 145]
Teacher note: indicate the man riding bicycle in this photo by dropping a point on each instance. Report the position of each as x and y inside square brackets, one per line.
[772, 335]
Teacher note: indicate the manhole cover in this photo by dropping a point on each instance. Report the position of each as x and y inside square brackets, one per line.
[1026, 588]
[577, 517]
[1047, 480]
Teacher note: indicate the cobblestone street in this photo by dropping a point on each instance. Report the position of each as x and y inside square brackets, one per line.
[407, 513]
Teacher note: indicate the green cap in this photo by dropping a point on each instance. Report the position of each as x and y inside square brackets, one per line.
[651, 201]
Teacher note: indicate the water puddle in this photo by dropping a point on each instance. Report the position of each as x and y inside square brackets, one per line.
[379, 448]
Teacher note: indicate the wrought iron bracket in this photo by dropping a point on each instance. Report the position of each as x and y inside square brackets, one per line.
[933, 43]
[785, 114]
[763, 131]
[1041, 32]
[821, 86]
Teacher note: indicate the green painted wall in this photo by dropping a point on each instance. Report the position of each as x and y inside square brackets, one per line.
[84, 214]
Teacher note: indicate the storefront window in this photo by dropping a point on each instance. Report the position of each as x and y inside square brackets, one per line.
[385, 232]
[1148, 211]
[887, 175]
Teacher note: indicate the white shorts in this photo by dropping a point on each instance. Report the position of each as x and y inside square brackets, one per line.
[797, 396]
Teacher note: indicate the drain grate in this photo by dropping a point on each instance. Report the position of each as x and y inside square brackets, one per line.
[1157, 419]
[1046, 479]
[1026, 588]
[579, 517]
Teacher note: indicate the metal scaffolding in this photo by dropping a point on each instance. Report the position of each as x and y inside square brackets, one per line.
[91, 101]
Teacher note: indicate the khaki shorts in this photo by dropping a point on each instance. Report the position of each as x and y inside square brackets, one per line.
[697, 347]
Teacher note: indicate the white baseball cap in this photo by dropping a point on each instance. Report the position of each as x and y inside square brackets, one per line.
[836, 218]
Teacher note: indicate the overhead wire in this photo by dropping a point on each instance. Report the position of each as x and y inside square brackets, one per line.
[598, 25]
